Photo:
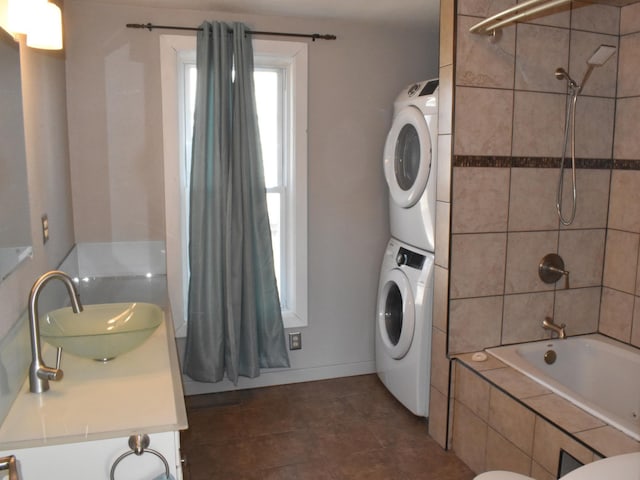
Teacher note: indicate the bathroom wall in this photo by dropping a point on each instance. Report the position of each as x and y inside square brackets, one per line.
[45, 124]
[114, 101]
[508, 135]
[620, 309]
[44, 106]
[506, 139]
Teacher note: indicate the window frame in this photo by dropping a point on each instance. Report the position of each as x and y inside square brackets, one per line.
[293, 57]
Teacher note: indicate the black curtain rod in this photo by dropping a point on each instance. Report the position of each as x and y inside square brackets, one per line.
[313, 36]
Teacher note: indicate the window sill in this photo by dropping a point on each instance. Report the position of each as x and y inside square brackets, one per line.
[293, 320]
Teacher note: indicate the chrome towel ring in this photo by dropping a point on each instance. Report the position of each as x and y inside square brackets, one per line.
[139, 444]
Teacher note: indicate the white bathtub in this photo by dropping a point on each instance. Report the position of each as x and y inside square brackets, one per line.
[599, 375]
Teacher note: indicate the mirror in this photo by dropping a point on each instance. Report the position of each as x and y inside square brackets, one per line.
[15, 220]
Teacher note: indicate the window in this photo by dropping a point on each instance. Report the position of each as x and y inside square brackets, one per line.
[280, 79]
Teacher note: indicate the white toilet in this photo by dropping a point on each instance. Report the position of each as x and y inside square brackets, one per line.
[501, 475]
[620, 467]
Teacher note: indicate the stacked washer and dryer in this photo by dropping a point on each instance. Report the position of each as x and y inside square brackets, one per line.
[405, 293]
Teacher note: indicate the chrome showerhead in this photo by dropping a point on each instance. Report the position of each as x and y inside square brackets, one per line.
[597, 59]
[601, 55]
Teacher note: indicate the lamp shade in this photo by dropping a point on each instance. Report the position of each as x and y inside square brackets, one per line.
[4, 14]
[45, 30]
[20, 14]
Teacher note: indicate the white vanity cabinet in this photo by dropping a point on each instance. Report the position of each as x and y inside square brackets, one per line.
[80, 427]
[93, 460]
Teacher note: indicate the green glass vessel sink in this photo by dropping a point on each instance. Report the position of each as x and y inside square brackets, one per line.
[102, 331]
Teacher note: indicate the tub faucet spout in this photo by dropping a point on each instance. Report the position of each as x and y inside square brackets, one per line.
[39, 373]
[548, 324]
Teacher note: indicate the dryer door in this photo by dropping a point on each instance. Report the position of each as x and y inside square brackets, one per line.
[396, 313]
[407, 157]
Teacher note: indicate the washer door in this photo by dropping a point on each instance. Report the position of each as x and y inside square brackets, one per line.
[396, 313]
[407, 157]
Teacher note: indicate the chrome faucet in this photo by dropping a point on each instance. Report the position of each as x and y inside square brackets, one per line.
[548, 324]
[39, 373]
[9, 463]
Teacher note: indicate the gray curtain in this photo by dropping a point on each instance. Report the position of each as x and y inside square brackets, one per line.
[235, 322]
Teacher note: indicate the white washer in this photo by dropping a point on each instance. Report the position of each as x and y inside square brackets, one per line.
[403, 324]
[410, 159]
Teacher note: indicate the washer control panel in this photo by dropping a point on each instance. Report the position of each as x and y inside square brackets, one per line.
[409, 258]
[426, 88]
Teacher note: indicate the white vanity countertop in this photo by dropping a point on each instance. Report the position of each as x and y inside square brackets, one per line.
[138, 392]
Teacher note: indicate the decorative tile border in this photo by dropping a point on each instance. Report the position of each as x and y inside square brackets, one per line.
[479, 161]
[626, 165]
[543, 162]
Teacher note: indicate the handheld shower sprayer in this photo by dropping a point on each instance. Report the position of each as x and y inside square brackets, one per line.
[601, 55]
[597, 59]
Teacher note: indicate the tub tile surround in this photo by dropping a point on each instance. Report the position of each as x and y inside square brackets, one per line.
[505, 421]
[630, 21]
[620, 307]
[503, 218]
[440, 403]
[595, 18]
[539, 45]
[627, 118]
[496, 295]
[594, 198]
[504, 153]
[532, 200]
[563, 412]
[490, 215]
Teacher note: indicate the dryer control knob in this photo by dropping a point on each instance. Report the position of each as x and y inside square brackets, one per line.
[402, 259]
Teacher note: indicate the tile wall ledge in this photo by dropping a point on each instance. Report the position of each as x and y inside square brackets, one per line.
[601, 439]
[542, 162]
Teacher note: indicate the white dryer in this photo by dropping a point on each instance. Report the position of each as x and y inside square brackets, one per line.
[403, 324]
[410, 158]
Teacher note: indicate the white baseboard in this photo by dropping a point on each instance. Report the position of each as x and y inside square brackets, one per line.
[279, 377]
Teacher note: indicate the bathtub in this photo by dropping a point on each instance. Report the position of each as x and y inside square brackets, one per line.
[596, 373]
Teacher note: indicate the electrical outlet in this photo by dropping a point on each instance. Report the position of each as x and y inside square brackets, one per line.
[295, 341]
[45, 228]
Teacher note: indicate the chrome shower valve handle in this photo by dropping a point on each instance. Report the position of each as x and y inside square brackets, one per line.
[551, 269]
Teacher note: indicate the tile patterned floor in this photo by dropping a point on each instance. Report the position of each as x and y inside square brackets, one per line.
[339, 429]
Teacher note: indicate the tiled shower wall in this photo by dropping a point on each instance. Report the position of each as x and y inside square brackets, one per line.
[508, 137]
[501, 153]
[440, 365]
[620, 308]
